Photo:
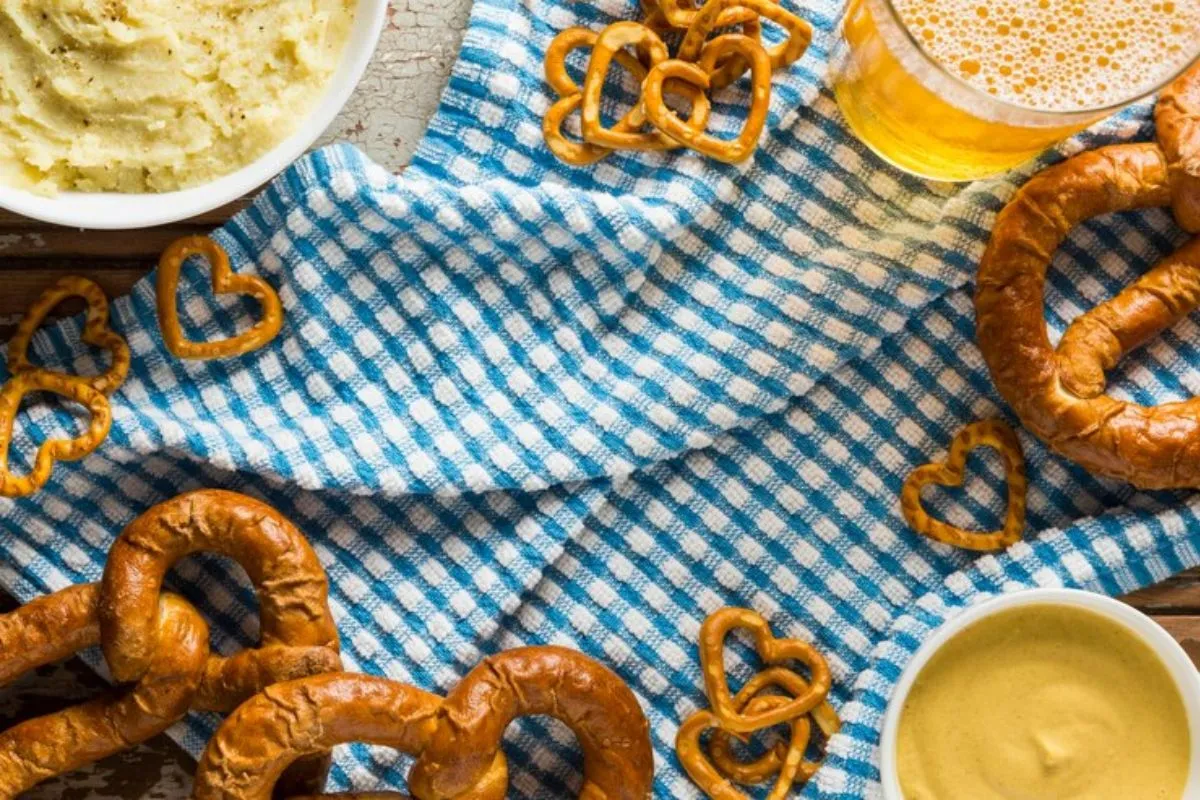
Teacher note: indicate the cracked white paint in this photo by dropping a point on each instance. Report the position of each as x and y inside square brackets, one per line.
[388, 113]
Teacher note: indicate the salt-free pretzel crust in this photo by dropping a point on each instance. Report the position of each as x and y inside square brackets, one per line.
[613, 733]
[224, 281]
[297, 630]
[58, 625]
[1058, 393]
[96, 332]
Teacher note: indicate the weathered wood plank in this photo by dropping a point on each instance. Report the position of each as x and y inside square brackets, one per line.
[1177, 595]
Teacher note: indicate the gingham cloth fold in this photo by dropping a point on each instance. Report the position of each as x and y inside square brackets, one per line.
[516, 402]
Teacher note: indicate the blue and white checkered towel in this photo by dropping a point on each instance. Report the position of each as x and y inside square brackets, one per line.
[516, 402]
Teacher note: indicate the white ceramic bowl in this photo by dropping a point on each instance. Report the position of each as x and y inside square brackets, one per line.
[111, 211]
[1168, 650]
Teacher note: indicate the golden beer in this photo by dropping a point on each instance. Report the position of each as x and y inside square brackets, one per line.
[963, 89]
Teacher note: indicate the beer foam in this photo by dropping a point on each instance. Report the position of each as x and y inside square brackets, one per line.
[1060, 55]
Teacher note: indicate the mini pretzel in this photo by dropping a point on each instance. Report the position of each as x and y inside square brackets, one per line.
[55, 627]
[52, 450]
[708, 20]
[224, 281]
[269, 732]
[296, 625]
[682, 13]
[987, 433]
[599, 708]
[697, 74]
[772, 651]
[773, 762]
[1153, 447]
[96, 332]
[608, 43]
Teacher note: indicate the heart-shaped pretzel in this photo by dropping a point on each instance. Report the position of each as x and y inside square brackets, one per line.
[96, 332]
[771, 763]
[50, 451]
[224, 281]
[772, 651]
[682, 13]
[698, 74]
[987, 433]
[708, 19]
[719, 787]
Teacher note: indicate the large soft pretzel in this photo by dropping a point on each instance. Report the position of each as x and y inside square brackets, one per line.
[594, 703]
[297, 630]
[57, 626]
[289, 720]
[1059, 393]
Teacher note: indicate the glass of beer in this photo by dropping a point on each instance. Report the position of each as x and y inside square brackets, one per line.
[956, 90]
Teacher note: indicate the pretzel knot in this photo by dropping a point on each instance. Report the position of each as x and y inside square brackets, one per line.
[297, 630]
[57, 626]
[1059, 393]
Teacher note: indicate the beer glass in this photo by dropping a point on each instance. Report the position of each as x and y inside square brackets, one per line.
[926, 118]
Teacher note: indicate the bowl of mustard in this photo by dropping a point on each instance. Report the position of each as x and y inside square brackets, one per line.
[121, 115]
[1045, 694]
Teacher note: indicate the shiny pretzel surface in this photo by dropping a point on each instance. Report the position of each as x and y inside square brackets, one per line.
[1059, 391]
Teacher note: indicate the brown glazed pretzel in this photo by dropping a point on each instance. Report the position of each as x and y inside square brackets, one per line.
[772, 651]
[297, 630]
[39, 380]
[1177, 117]
[224, 281]
[1059, 393]
[731, 46]
[987, 433]
[55, 627]
[589, 698]
[270, 731]
[96, 332]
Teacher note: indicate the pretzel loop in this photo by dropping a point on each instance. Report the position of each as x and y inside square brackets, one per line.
[58, 625]
[698, 74]
[267, 733]
[608, 44]
[772, 651]
[598, 707]
[987, 433]
[38, 380]
[719, 787]
[1177, 117]
[291, 586]
[224, 281]
[96, 332]
[708, 20]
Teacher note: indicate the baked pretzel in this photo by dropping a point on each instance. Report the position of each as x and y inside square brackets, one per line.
[56, 626]
[772, 651]
[96, 332]
[987, 433]
[698, 75]
[271, 730]
[772, 763]
[708, 21]
[618, 762]
[1153, 447]
[38, 380]
[1177, 116]
[297, 630]
[224, 281]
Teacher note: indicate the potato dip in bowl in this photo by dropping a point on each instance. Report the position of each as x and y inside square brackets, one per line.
[126, 113]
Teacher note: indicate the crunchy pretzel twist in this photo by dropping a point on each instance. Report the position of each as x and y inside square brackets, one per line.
[38, 380]
[751, 710]
[986, 433]
[702, 64]
[297, 630]
[456, 740]
[1058, 394]
[57, 626]
[224, 281]
[96, 332]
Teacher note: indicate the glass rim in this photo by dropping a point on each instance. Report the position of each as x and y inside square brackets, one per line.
[1088, 111]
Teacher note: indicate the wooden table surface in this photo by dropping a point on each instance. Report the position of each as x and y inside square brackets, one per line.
[33, 257]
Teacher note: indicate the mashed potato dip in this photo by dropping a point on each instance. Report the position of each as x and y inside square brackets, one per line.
[156, 95]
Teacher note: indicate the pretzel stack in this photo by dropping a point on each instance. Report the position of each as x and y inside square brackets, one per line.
[796, 702]
[719, 42]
